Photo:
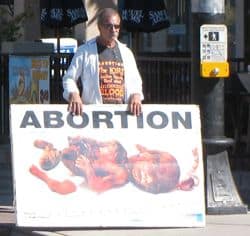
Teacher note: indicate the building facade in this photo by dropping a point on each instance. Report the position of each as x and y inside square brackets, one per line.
[175, 39]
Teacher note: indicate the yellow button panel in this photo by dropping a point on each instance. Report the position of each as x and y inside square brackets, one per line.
[214, 69]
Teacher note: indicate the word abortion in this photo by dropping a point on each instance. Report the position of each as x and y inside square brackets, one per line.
[110, 120]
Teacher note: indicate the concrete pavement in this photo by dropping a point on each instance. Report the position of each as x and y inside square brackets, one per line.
[228, 225]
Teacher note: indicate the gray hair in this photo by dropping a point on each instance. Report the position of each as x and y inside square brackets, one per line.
[104, 13]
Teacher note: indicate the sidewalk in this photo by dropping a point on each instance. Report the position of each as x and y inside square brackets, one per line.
[229, 225]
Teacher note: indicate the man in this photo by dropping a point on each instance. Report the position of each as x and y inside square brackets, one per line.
[107, 68]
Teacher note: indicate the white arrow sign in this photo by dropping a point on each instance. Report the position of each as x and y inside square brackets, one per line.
[213, 43]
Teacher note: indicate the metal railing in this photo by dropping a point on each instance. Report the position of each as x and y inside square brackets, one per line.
[166, 80]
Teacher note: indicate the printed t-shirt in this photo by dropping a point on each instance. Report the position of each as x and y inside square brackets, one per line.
[111, 74]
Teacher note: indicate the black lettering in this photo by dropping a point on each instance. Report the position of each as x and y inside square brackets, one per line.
[177, 118]
[107, 116]
[154, 119]
[84, 123]
[124, 118]
[53, 119]
[151, 122]
[140, 121]
[30, 119]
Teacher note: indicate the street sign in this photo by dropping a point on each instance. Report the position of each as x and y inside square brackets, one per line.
[213, 51]
[213, 43]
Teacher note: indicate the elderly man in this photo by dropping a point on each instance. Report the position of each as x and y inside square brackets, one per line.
[107, 69]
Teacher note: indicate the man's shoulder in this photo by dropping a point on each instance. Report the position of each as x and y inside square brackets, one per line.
[121, 44]
[91, 41]
[87, 45]
[124, 47]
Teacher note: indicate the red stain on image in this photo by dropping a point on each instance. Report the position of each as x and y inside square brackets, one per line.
[64, 187]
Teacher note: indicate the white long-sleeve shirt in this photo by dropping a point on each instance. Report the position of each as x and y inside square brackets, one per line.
[85, 64]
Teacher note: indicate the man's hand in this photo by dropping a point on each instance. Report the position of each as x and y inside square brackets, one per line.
[135, 104]
[75, 104]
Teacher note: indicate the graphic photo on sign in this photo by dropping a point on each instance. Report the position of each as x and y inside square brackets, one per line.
[107, 167]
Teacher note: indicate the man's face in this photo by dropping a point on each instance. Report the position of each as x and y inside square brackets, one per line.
[110, 28]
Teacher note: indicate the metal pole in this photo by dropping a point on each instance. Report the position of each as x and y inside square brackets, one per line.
[222, 195]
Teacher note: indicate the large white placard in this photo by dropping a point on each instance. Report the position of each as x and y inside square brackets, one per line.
[107, 167]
